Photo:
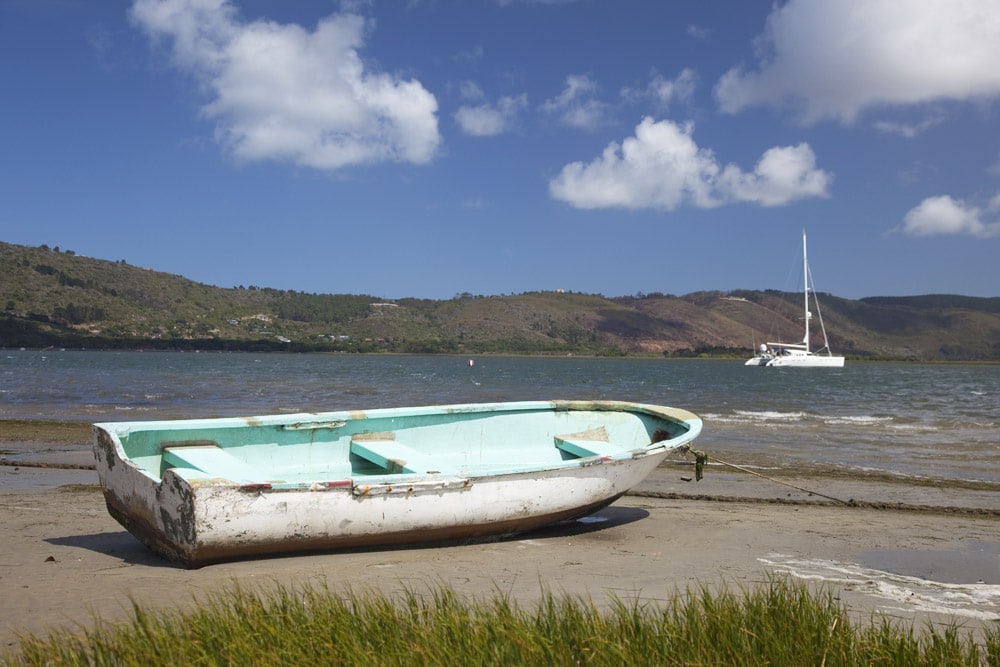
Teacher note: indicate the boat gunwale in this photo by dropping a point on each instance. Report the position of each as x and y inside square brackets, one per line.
[679, 415]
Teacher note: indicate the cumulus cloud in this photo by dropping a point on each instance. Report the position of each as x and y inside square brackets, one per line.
[281, 92]
[782, 174]
[661, 167]
[836, 58]
[483, 118]
[945, 216]
[577, 105]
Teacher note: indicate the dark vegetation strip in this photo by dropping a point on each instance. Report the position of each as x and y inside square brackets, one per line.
[855, 504]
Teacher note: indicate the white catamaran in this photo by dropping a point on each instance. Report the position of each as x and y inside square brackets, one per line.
[798, 355]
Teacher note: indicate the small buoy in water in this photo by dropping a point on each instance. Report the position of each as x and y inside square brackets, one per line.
[472, 362]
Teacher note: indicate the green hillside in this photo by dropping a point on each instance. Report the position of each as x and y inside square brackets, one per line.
[55, 298]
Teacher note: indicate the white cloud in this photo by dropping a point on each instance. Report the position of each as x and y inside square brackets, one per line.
[681, 88]
[836, 58]
[662, 167]
[663, 92]
[281, 92]
[489, 119]
[782, 174]
[576, 105]
[945, 216]
[470, 90]
[909, 130]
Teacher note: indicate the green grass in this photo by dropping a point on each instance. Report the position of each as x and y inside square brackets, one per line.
[778, 623]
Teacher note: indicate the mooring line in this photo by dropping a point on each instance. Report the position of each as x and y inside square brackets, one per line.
[701, 458]
[778, 481]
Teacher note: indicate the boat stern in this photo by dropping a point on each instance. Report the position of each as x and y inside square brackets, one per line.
[159, 512]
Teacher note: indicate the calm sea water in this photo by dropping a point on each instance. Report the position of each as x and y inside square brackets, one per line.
[907, 420]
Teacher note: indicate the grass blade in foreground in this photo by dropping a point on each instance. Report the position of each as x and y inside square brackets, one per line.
[780, 622]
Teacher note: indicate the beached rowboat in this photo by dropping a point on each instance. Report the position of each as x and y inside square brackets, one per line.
[204, 490]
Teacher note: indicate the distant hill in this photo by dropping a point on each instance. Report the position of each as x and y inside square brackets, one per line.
[55, 298]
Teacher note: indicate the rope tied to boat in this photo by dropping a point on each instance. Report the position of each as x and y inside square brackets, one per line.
[701, 459]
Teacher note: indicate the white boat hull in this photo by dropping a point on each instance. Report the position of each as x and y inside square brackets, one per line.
[798, 361]
[198, 525]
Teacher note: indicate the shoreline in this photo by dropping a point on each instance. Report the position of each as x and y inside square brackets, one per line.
[905, 559]
[640, 548]
[737, 354]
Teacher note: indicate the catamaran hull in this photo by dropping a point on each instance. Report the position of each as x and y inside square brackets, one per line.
[202, 521]
[801, 361]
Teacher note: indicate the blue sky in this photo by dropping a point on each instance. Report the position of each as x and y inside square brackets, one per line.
[428, 148]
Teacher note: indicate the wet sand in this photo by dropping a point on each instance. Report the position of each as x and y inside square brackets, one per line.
[66, 562]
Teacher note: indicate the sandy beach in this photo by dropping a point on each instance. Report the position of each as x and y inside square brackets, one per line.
[66, 562]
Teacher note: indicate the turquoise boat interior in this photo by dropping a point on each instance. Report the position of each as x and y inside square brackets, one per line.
[343, 448]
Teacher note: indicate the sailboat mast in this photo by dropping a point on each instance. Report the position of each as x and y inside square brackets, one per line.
[805, 290]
